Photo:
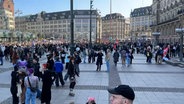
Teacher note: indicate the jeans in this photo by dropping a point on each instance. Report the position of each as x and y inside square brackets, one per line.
[59, 76]
[66, 76]
[108, 66]
[1, 59]
[84, 58]
[77, 69]
[30, 96]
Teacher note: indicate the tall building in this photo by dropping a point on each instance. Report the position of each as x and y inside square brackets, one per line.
[113, 27]
[7, 15]
[127, 28]
[8, 5]
[57, 24]
[140, 21]
[167, 15]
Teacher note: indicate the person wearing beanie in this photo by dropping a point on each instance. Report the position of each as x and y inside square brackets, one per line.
[122, 94]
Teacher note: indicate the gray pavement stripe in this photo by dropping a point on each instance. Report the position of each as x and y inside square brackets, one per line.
[7, 101]
[97, 87]
[114, 78]
[86, 87]
[157, 89]
[5, 69]
[152, 72]
[141, 63]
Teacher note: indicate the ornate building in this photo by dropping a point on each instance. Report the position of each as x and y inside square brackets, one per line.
[113, 27]
[167, 15]
[7, 15]
[140, 20]
[57, 25]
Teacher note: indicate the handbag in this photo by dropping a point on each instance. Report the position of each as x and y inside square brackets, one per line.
[33, 89]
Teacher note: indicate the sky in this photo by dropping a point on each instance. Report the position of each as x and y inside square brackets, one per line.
[103, 6]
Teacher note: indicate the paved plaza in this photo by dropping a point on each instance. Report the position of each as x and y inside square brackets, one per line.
[152, 83]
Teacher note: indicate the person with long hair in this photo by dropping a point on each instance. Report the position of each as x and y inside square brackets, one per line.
[30, 82]
[99, 60]
[47, 78]
[71, 72]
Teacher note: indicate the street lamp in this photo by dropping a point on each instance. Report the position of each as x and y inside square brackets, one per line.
[72, 27]
[90, 30]
[180, 31]
[98, 25]
[19, 12]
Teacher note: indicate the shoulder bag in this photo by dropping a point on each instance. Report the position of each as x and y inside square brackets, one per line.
[33, 89]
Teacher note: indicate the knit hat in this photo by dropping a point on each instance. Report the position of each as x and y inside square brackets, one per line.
[30, 70]
[124, 90]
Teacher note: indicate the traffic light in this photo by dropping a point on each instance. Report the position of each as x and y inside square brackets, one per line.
[91, 4]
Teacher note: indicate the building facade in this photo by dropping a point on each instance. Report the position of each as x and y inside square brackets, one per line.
[167, 15]
[7, 21]
[140, 21]
[113, 27]
[127, 28]
[57, 25]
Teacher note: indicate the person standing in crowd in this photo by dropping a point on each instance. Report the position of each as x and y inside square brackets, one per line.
[71, 73]
[22, 63]
[1, 56]
[63, 54]
[77, 62]
[122, 94]
[15, 56]
[148, 55]
[84, 55]
[107, 59]
[36, 66]
[47, 79]
[89, 55]
[127, 60]
[99, 60]
[58, 66]
[123, 56]
[131, 55]
[22, 75]
[116, 57]
[50, 62]
[67, 60]
[31, 81]
[14, 88]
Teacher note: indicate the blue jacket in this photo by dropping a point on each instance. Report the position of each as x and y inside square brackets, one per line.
[58, 66]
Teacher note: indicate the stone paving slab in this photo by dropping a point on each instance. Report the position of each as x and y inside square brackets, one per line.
[5, 94]
[152, 83]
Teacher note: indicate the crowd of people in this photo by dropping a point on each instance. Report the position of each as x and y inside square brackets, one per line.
[28, 72]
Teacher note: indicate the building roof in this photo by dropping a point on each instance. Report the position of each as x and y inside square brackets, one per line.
[4, 0]
[58, 15]
[113, 16]
[143, 11]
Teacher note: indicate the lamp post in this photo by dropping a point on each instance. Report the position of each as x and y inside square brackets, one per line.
[72, 28]
[19, 12]
[180, 31]
[90, 28]
[98, 25]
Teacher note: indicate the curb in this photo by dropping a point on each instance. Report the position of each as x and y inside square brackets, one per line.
[179, 64]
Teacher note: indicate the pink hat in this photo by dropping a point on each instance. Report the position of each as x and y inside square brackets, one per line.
[91, 99]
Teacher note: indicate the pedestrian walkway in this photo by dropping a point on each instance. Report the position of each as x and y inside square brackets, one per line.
[152, 83]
